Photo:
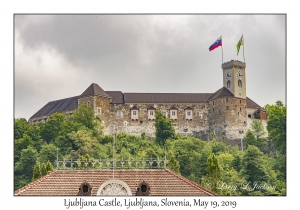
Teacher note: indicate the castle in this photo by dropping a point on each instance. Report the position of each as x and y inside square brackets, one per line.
[227, 113]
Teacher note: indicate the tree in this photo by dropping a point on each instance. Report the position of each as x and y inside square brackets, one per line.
[51, 128]
[20, 127]
[36, 171]
[258, 128]
[46, 168]
[48, 153]
[85, 116]
[27, 161]
[276, 125]
[84, 140]
[174, 165]
[214, 171]
[164, 128]
[254, 165]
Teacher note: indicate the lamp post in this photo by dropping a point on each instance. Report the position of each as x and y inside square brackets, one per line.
[241, 132]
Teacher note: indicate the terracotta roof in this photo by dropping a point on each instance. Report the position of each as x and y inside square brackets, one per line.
[222, 92]
[252, 104]
[67, 182]
[94, 90]
[63, 105]
[166, 97]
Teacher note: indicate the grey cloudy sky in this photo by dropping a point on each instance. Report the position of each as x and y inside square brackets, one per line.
[59, 56]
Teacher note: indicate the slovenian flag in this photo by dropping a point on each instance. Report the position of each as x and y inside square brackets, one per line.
[216, 44]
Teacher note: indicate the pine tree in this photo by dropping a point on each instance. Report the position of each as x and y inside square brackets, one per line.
[36, 171]
[214, 170]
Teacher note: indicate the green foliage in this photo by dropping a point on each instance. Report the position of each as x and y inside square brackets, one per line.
[21, 144]
[276, 125]
[258, 128]
[20, 127]
[164, 128]
[174, 165]
[84, 140]
[51, 128]
[255, 136]
[27, 160]
[254, 165]
[214, 171]
[36, 171]
[48, 153]
[85, 116]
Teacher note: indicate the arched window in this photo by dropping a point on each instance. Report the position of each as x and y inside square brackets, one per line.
[228, 84]
[240, 83]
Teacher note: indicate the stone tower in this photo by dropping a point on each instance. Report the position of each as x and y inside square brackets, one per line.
[227, 106]
[234, 78]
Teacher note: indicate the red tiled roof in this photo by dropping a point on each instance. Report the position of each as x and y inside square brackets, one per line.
[67, 182]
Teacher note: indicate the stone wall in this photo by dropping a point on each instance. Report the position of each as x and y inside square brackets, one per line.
[227, 117]
[198, 124]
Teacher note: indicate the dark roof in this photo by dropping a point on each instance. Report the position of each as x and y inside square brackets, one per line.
[117, 97]
[94, 90]
[134, 108]
[188, 108]
[166, 97]
[63, 105]
[162, 182]
[222, 92]
[252, 104]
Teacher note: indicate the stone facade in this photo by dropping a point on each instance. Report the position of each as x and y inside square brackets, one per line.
[227, 113]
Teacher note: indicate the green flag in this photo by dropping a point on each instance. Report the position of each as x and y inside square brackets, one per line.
[241, 42]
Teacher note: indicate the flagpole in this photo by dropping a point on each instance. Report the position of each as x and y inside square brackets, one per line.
[243, 48]
[222, 56]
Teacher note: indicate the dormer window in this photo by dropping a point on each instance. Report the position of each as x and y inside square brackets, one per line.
[134, 113]
[188, 113]
[151, 113]
[173, 113]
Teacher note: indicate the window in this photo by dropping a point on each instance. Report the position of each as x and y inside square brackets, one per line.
[220, 112]
[213, 103]
[88, 103]
[99, 111]
[240, 109]
[227, 108]
[134, 114]
[226, 100]
[240, 101]
[188, 114]
[228, 84]
[173, 114]
[249, 116]
[164, 113]
[151, 114]
[119, 113]
[240, 83]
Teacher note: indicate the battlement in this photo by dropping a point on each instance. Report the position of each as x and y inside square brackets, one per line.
[233, 64]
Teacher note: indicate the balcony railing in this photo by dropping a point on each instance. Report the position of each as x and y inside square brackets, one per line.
[110, 164]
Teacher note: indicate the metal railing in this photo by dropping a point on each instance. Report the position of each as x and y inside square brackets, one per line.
[110, 164]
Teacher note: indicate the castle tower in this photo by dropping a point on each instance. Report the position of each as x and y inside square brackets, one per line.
[234, 78]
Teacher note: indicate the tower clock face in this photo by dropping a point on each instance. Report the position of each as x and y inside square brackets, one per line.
[228, 75]
[239, 74]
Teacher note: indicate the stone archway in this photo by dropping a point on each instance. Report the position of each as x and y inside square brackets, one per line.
[114, 187]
